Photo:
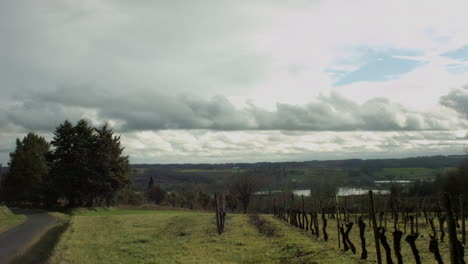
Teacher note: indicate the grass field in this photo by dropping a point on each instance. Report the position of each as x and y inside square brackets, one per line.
[8, 219]
[99, 211]
[178, 237]
[129, 236]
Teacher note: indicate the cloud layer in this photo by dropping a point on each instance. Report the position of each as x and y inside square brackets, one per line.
[239, 80]
[457, 100]
[135, 112]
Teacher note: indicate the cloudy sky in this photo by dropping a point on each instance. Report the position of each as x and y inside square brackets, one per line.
[240, 81]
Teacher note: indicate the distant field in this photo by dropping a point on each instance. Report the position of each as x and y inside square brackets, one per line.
[408, 173]
[8, 219]
[302, 175]
[174, 237]
[299, 175]
[211, 171]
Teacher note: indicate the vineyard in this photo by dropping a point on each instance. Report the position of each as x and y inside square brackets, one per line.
[429, 230]
[377, 228]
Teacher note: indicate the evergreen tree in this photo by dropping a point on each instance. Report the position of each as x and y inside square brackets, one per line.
[88, 165]
[150, 183]
[111, 167]
[72, 156]
[28, 171]
[156, 194]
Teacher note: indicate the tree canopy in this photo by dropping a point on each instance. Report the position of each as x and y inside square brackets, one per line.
[88, 166]
[85, 167]
[28, 171]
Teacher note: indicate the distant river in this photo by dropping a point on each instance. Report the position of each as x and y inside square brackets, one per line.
[305, 192]
[342, 191]
[348, 191]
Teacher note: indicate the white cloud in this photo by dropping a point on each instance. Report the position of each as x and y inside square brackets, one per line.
[419, 89]
[234, 146]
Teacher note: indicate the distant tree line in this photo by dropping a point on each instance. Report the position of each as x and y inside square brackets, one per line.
[438, 161]
[81, 166]
[238, 192]
[453, 181]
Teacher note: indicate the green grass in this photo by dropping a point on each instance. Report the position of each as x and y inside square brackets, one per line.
[9, 220]
[61, 217]
[126, 236]
[176, 237]
[100, 211]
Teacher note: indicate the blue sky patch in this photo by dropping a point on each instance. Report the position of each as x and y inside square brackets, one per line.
[458, 54]
[457, 68]
[377, 65]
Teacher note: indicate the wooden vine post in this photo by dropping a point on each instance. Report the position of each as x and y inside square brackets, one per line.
[362, 235]
[434, 248]
[338, 221]
[455, 246]
[462, 213]
[304, 216]
[220, 213]
[324, 226]
[385, 245]
[374, 226]
[217, 214]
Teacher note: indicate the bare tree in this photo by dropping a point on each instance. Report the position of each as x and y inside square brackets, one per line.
[243, 187]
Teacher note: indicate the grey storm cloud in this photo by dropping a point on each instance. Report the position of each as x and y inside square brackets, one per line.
[457, 100]
[138, 63]
[154, 111]
[39, 115]
[128, 45]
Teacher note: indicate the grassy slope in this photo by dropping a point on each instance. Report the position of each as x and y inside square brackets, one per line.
[113, 211]
[8, 219]
[185, 238]
[116, 236]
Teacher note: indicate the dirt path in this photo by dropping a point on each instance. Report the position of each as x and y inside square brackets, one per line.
[15, 239]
